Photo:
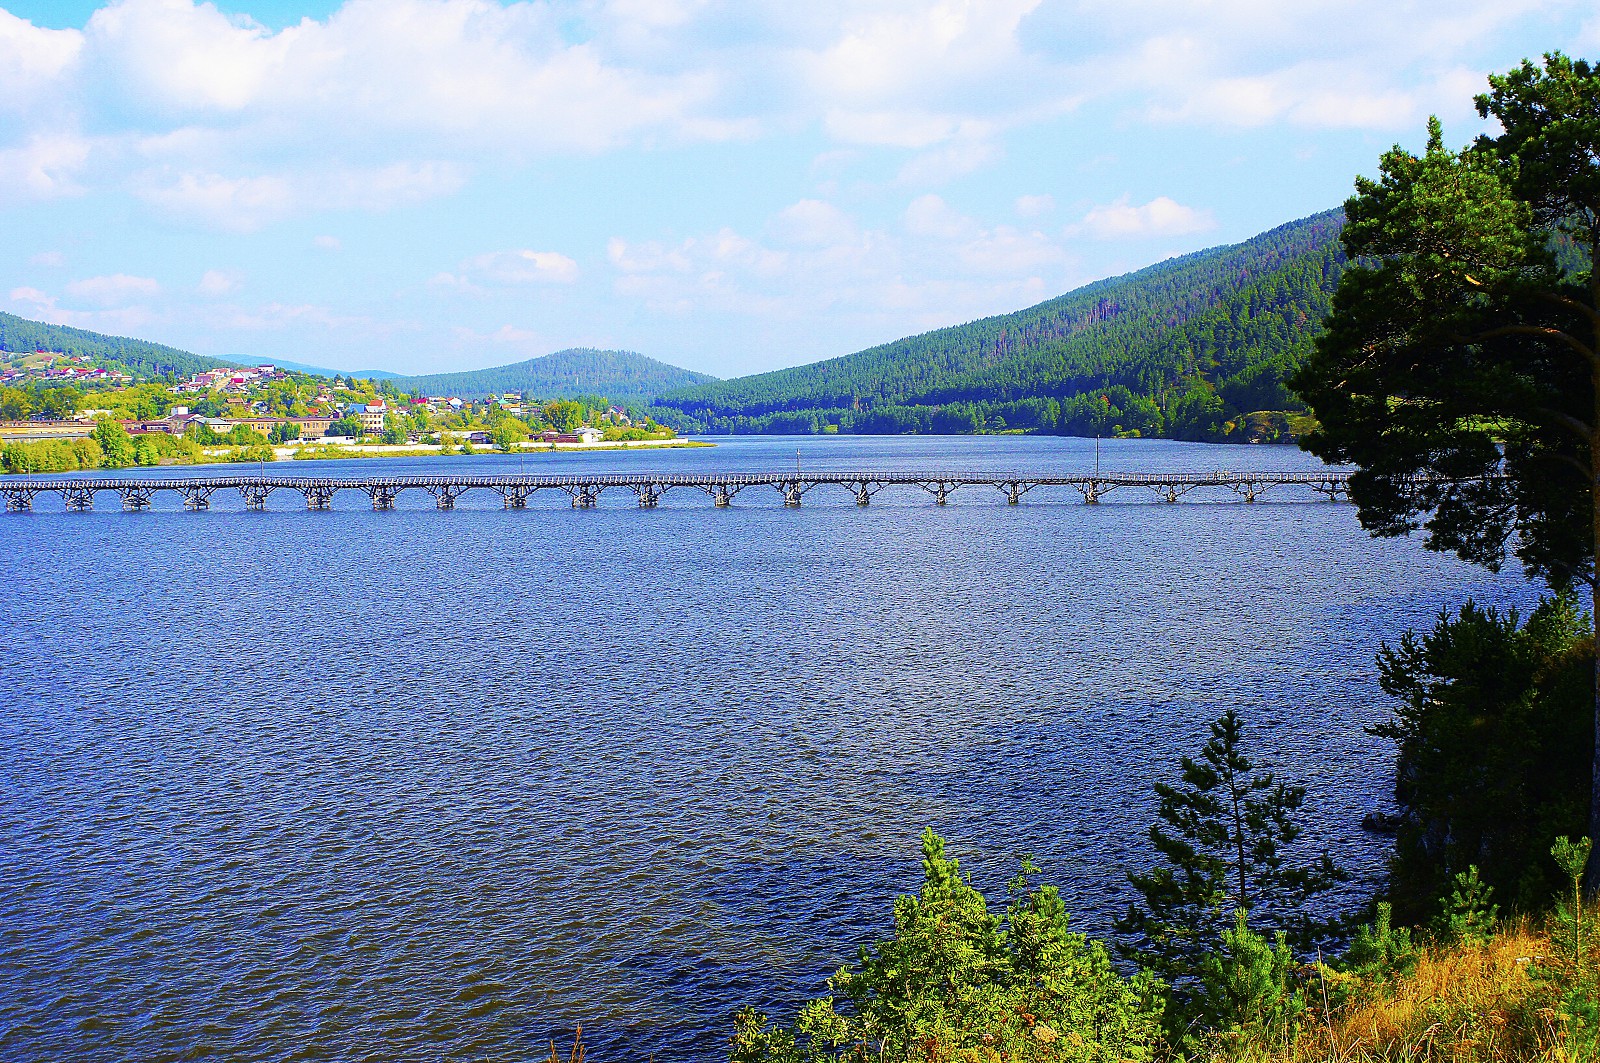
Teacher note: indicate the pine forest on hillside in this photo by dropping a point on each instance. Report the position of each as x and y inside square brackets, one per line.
[569, 374]
[1193, 348]
[139, 357]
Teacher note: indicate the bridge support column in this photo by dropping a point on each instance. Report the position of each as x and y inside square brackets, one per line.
[721, 497]
[515, 496]
[318, 497]
[942, 494]
[445, 495]
[78, 499]
[134, 498]
[649, 495]
[19, 501]
[196, 498]
[382, 496]
[255, 495]
[584, 496]
[791, 494]
[1092, 493]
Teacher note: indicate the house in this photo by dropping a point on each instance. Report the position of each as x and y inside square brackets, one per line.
[371, 414]
[590, 435]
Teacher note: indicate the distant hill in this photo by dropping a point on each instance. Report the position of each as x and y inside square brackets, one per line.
[315, 370]
[139, 357]
[1187, 348]
[619, 375]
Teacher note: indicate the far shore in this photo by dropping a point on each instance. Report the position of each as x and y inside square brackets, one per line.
[331, 451]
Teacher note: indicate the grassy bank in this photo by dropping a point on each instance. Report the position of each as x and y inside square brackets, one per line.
[1504, 999]
[156, 449]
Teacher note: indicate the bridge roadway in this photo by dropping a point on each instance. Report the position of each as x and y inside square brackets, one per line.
[585, 488]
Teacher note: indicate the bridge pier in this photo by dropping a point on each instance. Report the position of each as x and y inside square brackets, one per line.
[649, 494]
[19, 500]
[78, 499]
[1094, 490]
[514, 496]
[1332, 489]
[382, 496]
[1014, 490]
[445, 495]
[584, 496]
[1247, 489]
[196, 496]
[722, 495]
[135, 498]
[318, 496]
[255, 495]
[792, 491]
[863, 490]
[1170, 493]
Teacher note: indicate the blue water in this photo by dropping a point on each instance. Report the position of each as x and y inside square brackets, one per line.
[431, 785]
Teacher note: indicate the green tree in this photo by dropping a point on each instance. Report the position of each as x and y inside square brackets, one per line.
[1491, 729]
[956, 981]
[508, 433]
[1225, 837]
[1247, 991]
[116, 446]
[348, 425]
[563, 415]
[1467, 343]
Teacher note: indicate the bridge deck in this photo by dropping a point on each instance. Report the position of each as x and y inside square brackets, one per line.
[585, 488]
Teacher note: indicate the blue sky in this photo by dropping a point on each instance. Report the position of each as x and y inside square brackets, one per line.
[422, 185]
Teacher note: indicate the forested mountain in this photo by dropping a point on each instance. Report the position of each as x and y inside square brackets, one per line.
[139, 357]
[582, 371]
[1193, 348]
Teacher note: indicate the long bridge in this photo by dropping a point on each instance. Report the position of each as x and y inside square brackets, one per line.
[585, 488]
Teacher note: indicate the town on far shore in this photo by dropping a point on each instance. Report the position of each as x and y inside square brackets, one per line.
[64, 412]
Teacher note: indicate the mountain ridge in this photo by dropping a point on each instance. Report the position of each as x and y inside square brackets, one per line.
[564, 374]
[1187, 347]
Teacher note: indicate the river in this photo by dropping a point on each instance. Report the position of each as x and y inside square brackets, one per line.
[425, 785]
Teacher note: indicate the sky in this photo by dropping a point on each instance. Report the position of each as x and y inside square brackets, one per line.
[731, 186]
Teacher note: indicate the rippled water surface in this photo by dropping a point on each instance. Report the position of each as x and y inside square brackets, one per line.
[440, 785]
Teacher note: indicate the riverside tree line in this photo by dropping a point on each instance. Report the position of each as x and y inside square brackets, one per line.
[1463, 339]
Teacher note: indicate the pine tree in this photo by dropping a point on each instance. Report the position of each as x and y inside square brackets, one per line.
[1223, 835]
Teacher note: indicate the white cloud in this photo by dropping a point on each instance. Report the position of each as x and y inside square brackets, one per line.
[44, 166]
[1161, 216]
[33, 61]
[236, 204]
[814, 223]
[218, 282]
[510, 268]
[930, 215]
[327, 243]
[54, 259]
[944, 268]
[114, 289]
[245, 204]
[1033, 206]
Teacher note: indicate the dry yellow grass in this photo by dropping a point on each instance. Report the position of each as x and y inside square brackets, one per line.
[1469, 1004]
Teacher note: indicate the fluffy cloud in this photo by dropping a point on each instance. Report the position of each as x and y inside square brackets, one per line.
[43, 166]
[1033, 206]
[217, 282]
[214, 118]
[1161, 216]
[510, 268]
[34, 62]
[941, 268]
[115, 289]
